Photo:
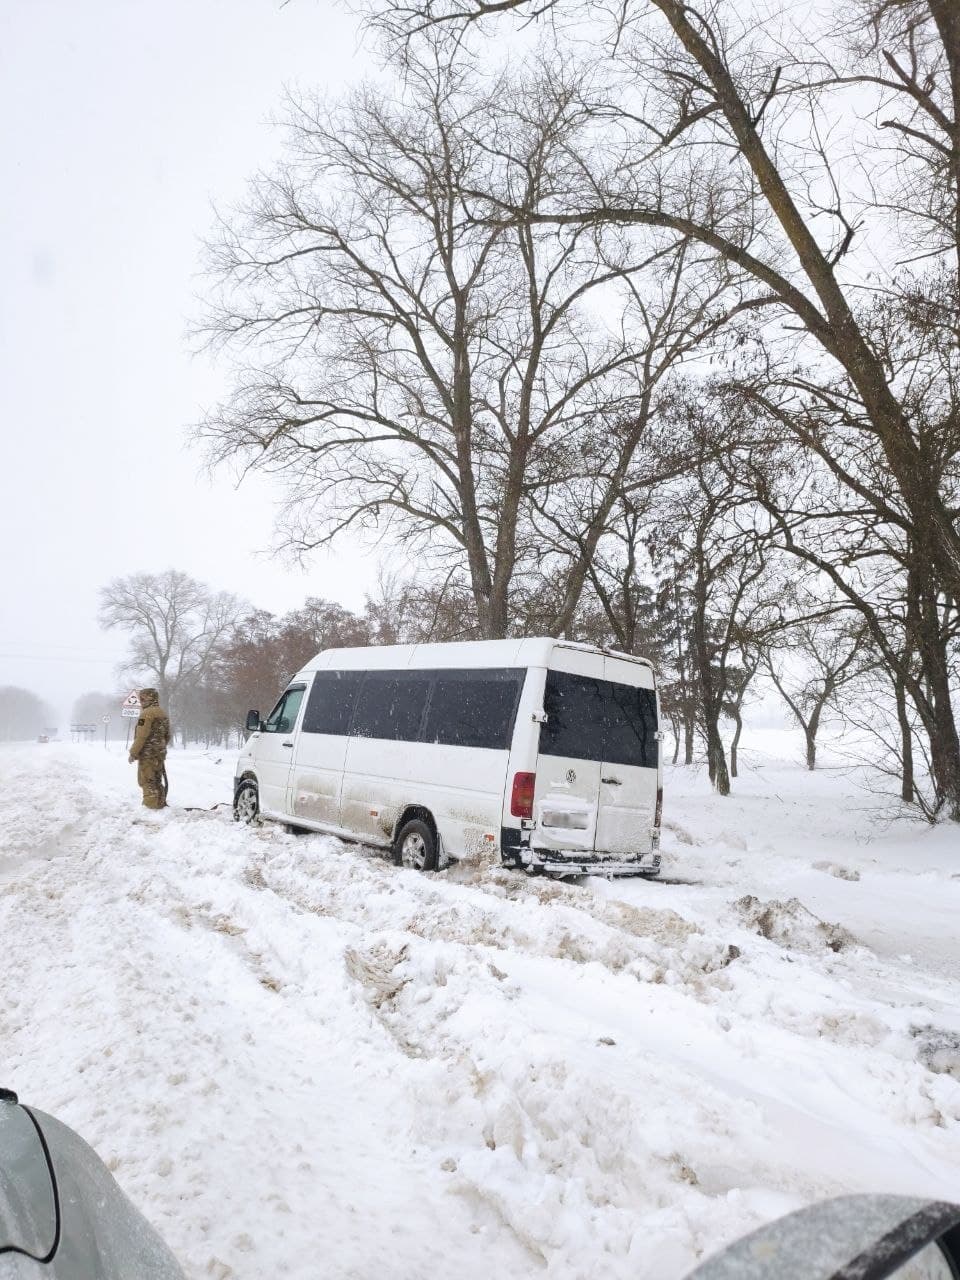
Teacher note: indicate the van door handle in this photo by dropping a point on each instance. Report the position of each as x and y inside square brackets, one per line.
[287, 744]
[612, 782]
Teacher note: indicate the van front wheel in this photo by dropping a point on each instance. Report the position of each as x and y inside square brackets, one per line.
[416, 846]
[246, 806]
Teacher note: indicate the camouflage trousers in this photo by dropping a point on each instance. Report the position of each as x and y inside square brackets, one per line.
[150, 779]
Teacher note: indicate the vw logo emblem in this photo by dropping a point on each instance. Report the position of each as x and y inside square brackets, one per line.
[571, 775]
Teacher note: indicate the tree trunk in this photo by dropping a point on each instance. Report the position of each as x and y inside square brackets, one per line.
[936, 708]
[945, 748]
[738, 721]
[716, 758]
[490, 610]
[711, 702]
[812, 725]
[906, 743]
[689, 735]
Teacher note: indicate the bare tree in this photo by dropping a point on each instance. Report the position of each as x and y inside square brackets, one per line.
[841, 518]
[427, 375]
[710, 525]
[827, 656]
[644, 608]
[883, 731]
[740, 677]
[417, 608]
[908, 53]
[176, 627]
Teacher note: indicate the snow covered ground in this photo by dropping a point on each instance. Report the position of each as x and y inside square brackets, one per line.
[301, 1061]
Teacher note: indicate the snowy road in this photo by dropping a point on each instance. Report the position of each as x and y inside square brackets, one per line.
[301, 1061]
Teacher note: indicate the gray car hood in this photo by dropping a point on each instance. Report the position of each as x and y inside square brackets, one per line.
[62, 1215]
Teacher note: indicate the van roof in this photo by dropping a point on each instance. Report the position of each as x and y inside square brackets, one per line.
[530, 652]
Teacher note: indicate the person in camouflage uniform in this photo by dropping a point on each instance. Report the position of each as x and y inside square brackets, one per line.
[150, 749]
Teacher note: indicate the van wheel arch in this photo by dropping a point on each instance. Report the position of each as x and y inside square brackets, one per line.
[414, 811]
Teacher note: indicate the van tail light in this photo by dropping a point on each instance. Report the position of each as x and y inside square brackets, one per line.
[521, 797]
[659, 809]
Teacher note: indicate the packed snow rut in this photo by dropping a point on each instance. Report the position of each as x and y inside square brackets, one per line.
[300, 1060]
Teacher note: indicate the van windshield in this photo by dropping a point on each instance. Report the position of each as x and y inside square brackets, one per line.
[590, 719]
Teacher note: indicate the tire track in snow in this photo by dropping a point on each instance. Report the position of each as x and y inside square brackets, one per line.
[244, 1123]
[438, 948]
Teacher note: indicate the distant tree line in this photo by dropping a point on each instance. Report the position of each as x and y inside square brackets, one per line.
[23, 715]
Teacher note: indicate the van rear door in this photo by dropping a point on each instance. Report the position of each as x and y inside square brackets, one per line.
[597, 770]
[630, 773]
[570, 760]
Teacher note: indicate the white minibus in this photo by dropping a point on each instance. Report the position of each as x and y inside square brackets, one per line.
[541, 753]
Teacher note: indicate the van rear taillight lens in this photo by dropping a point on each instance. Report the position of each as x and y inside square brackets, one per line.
[521, 797]
[659, 809]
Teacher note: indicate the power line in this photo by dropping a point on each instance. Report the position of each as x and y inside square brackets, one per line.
[27, 642]
[62, 658]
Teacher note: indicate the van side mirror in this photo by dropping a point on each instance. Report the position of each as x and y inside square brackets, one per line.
[253, 722]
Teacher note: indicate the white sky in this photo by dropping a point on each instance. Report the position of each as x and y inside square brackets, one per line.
[123, 121]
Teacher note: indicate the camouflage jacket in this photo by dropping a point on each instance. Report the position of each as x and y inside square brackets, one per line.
[153, 733]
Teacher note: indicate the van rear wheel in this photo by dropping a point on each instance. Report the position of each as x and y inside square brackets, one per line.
[416, 846]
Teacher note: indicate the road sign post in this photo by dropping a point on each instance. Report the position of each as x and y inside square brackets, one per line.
[106, 721]
[130, 710]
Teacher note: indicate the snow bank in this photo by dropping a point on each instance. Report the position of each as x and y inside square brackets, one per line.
[300, 1060]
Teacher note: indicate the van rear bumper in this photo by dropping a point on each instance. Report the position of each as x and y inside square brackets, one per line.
[575, 862]
[561, 863]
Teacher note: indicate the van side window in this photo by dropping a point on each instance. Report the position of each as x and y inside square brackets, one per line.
[284, 715]
[331, 702]
[464, 708]
[391, 705]
[590, 719]
[473, 708]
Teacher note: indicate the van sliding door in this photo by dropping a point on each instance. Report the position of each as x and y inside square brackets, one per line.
[322, 749]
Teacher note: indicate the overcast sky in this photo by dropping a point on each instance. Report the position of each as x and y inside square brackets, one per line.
[123, 121]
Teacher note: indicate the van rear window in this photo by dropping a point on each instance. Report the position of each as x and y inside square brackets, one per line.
[590, 719]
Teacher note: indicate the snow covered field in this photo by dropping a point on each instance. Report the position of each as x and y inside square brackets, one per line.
[301, 1061]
